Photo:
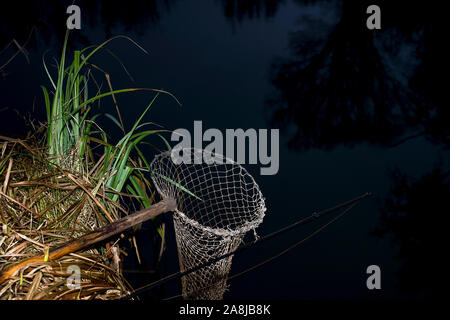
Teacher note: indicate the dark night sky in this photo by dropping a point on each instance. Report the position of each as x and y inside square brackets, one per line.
[345, 97]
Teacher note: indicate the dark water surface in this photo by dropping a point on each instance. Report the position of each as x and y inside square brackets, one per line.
[353, 106]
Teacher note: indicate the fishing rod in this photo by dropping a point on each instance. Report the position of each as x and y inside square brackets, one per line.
[279, 254]
[314, 216]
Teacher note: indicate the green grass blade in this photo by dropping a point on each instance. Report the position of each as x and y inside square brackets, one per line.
[177, 185]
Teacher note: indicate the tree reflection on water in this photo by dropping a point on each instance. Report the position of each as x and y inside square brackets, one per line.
[345, 84]
[17, 19]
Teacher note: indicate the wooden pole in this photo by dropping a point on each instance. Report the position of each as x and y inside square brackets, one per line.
[94, 237]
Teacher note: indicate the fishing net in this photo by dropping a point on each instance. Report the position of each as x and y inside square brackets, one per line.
[218, 202]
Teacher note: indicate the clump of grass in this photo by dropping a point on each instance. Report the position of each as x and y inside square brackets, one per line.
[70, 132]
[56, 188]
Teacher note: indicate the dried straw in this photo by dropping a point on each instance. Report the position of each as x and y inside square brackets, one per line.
[43, 206]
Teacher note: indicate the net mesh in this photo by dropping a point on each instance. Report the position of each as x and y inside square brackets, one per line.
[223, 203]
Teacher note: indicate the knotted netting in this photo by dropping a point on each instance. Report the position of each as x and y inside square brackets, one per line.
[218, 202]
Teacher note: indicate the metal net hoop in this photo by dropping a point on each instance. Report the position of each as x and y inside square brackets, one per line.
[218, 202]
